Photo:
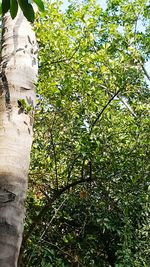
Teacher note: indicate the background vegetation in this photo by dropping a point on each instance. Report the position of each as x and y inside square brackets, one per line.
[89, 178]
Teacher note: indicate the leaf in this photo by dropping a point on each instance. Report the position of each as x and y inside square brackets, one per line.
[13, 8]
[5, 6]
[29, 13]
[27, 9]
[23, 4]
[40, 5]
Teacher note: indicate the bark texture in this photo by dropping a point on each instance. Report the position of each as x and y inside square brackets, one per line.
[17, 98]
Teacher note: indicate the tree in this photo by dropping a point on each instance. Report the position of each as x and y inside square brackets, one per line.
[17, 100]
[91, 126]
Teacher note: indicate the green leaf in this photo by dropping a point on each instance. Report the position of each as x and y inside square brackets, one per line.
[5, 6]
[27, 9]
[40, 5]
[29, 13]
[13, 8]
[23, 4]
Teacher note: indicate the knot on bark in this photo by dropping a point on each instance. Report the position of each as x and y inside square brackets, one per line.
[6, 195]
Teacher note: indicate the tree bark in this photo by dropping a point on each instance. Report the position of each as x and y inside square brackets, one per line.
[17, 100]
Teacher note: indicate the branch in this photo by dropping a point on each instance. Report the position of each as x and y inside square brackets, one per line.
[66, 59]
[71, 169]
[145, 72]
[123, 102]
[103, 109]
[55, 160]
[127, 106]
[44, 210]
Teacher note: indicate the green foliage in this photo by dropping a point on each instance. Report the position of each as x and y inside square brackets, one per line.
[27, 9]
[25, 5]
[13, 8]
[40, 4]
[89, 175]
[5, 6]
[24, 106]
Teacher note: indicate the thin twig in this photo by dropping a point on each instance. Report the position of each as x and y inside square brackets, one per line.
[48, 225]
[145, 72]
[67, 59]
[55, 160]
[102, 111]
[123, 102]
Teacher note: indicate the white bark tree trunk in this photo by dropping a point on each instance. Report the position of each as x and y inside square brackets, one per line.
[18, 74]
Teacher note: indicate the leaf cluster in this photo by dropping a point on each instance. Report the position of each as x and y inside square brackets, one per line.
[25, 5]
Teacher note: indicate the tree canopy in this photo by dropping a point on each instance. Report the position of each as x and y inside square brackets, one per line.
[89, 178]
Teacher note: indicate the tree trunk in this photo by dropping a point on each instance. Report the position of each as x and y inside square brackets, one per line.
[17, 99]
